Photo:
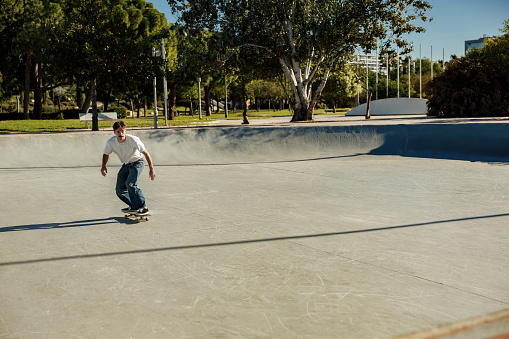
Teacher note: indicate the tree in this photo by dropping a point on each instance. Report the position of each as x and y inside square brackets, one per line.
[496, 54]
[474, 85]
[34, 44]
[109, 44]
[306, 36]
[340, 86]
[249, 64]
[10, 22]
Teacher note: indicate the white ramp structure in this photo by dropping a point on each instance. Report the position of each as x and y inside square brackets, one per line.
[392, 106]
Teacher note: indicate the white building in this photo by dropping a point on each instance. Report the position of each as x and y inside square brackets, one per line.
[373, 63]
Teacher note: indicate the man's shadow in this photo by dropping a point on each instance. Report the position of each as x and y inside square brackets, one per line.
[58, 225]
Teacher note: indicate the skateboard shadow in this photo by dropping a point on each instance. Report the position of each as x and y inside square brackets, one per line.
[57, 225]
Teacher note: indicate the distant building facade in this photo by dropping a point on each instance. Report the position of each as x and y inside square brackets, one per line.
[478, 43]
[372, 61]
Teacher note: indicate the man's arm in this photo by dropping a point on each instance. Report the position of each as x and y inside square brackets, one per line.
[152, 172]
[104, 170]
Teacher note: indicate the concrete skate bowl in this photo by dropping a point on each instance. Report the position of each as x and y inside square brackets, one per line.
[215, 146]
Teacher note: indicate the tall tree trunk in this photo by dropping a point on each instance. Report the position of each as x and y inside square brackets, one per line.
[368, 116]
[88, 101]
[191, 106]
[95, 116]
[26, 98]
[244, 103]
[172, 103]
[38, 92]
[301, 84]
[207, 100]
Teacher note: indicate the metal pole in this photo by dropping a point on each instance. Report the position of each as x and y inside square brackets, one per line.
[420, 73]
[165, 85]
[367, 78]
[431, 62]
[398, 70]
[358, 62]
[387, 78]
[409, 67]
[155, 92]
[376, 88]
[225, 98]
[199, 94]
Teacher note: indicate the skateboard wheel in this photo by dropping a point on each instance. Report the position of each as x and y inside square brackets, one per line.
[126, 216]
[146, 218]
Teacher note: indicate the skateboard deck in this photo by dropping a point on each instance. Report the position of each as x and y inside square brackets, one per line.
[136, 218]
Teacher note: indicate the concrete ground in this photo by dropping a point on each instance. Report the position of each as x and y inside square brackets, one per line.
[274, 231]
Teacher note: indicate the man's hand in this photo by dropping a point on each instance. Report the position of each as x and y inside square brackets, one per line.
[104, 170]
[152, 173]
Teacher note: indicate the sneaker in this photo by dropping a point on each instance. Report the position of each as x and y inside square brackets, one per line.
[129, 209]
[142, 211]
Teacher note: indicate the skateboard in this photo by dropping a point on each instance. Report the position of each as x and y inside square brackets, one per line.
[136, 218]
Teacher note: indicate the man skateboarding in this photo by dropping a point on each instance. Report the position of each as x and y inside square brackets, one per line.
[130, 150]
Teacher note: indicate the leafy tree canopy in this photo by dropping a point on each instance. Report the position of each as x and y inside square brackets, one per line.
[306, 36]
[474, 85]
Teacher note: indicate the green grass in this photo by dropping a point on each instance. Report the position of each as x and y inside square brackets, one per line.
[32, 126]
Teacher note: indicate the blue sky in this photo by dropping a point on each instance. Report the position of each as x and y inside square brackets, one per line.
[454, 21]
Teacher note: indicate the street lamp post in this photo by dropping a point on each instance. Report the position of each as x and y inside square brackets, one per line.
[154, 54]
[165, 85]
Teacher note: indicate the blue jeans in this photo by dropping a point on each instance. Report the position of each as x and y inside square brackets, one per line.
[127, 184]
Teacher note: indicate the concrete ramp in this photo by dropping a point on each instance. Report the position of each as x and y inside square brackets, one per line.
[392, 106]
[185, 146]
[191, 146]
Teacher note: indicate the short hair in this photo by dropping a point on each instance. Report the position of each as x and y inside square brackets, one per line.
[118, 124]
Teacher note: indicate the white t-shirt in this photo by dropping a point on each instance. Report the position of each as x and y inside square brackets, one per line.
[128, 151]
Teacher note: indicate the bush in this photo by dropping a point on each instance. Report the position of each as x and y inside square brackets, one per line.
[467, 88]
[53, 116]
[475, 85]
[121, 111]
